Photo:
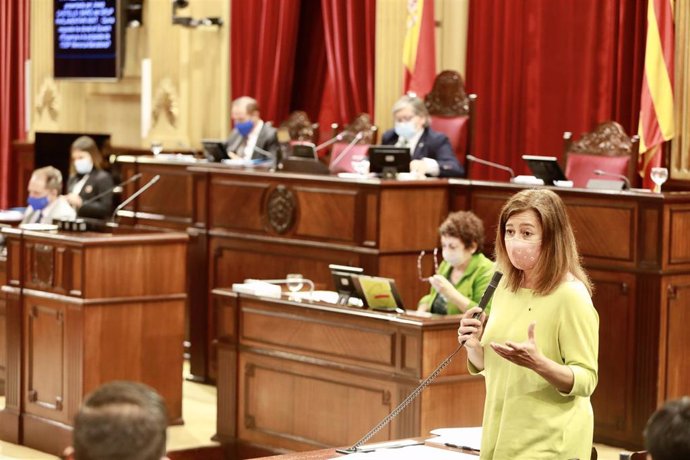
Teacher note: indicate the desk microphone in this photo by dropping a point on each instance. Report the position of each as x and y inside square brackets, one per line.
[349, 147]
[112, 189]
[492, 164]
[626, 181]
[417, 391]
[134, 196]
[330, 141]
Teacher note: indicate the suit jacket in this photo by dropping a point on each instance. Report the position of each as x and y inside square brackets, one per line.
[267, 140]
[98, 182]
[432, 145]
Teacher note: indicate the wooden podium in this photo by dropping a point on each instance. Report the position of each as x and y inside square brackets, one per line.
[83, 309]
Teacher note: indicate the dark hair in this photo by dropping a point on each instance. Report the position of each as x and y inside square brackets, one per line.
[121, 420]
[667, 435]
[558, 248]
[87, 144]
[465, 226]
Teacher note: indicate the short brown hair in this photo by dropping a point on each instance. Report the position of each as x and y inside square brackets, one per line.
[667, 435]
[87, 144]
[121, 420]
[558, 247]
[249, 103]
[52, 176]
[465, 226]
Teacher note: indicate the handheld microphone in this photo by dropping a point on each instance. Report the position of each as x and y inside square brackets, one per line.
[488, 293]
[349, 147]
[492, 164]
[425, 383]
[134, 196]
[330, 141]
[626, 181]
[112, 189]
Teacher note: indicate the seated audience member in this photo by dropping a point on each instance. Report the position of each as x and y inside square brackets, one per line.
[45, 201]
[465, 272]
[431, 151]
[250, 131]
[120, 420]
[667, 435]
[88, 179]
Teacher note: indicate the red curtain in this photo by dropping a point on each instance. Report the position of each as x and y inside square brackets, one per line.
[14, 50]
[263, 41]
[542, 67]
[350, 47]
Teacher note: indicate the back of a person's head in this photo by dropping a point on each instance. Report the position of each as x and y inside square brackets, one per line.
[121, 420]
[667, 435]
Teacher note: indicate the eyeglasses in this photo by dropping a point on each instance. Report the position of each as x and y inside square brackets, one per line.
[419, 265]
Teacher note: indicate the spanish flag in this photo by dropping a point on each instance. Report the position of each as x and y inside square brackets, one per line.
[656, 105]
[419, 50]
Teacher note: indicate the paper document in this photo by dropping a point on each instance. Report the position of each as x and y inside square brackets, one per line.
[411, 453]
[468, 438]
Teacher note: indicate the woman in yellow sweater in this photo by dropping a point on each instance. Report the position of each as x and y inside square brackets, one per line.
[538, 350]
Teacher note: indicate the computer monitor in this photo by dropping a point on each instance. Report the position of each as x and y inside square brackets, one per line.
[388, 160]
[378, 293]
[214, 149]
[305, 150]
[344, 284]
[545, 168]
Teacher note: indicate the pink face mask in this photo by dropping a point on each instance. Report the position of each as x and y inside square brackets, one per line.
[523, 254]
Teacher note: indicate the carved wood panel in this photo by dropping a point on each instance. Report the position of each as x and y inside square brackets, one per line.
[614, 298]
[677, 339]
[44, 362]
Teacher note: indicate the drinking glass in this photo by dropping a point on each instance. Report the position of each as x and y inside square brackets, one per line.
[295, 281]
[156, 147]
[659, 176]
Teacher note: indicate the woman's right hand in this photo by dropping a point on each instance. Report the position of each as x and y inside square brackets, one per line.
[471, 329]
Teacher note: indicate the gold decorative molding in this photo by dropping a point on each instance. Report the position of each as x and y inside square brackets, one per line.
[166, 103]
[48, 100]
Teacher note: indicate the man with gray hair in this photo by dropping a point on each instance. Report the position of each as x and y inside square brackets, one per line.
[251, 138]
[45, 200]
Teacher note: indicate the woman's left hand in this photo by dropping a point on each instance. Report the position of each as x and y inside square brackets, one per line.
[523, 354]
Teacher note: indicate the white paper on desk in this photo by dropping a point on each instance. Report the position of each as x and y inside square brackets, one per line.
[411, 453]
[467, 437]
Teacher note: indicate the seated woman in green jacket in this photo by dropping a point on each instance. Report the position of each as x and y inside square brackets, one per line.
[465, 272]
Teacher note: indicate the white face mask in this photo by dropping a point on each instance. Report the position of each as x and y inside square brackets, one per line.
[524, 255]
[405, 129]
[83, 165]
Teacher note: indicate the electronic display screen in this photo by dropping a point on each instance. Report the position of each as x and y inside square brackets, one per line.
[86, 39]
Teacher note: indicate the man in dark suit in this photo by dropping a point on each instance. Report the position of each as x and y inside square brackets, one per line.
[251, 136]
[432, 154]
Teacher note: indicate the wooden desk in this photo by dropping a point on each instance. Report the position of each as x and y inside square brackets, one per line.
[299, 375]
[634, 246]
[83, 309]
[258, 224]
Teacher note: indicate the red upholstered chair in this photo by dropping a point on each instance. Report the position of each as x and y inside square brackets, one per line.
[362, 132]
[451, 112]
[607, 148]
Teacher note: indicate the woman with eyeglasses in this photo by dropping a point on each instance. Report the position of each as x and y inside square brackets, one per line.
[462, 277]
[538, 349]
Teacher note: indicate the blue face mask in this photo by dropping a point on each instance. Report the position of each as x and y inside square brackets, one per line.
[38, 203]
[405, 129]
[244, 127]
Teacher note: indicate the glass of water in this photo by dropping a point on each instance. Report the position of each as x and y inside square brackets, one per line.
[156, 147]
[295, 281]
[659, 176]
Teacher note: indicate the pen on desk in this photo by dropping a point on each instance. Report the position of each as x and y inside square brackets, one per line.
[455, 446]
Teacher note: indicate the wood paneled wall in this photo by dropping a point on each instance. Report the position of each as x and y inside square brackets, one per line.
[189, 80]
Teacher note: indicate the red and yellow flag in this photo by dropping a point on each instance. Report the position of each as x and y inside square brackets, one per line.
[419, 50]
[656, 105]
